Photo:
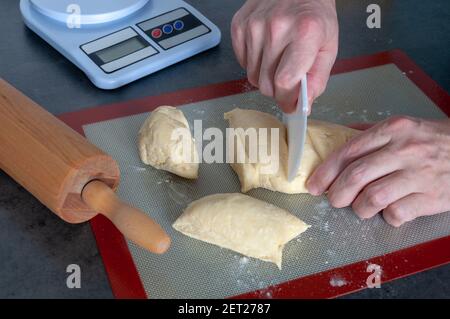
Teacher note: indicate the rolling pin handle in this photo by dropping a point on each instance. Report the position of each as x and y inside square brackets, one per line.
[131, 222]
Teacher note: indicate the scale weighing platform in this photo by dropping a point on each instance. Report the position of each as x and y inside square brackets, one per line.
[117, 42]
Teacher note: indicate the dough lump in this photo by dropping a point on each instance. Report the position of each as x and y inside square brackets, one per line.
[158, 148]
[321, 140]
[241, 223]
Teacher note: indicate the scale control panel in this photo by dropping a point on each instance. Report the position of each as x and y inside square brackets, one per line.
[125, 47]
[173, 28]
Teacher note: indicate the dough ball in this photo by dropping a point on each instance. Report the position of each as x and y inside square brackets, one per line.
[242, 223]
[321, 140]
[159, 148]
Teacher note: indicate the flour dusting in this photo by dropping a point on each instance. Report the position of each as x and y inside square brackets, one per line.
[337, 282]
[243, 260]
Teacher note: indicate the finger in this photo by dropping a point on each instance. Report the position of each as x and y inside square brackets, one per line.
[296, 61]
[238, 40]
[270, 59]
[273, 50]
[359, 146]
[238, 31]
[319, 73]
[408, 208]
[359, 174]
[255, 44]
[380, 194]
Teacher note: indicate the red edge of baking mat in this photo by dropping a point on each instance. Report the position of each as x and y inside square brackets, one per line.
[121, 270]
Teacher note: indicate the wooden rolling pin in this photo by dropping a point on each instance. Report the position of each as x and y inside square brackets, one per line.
[65, 172]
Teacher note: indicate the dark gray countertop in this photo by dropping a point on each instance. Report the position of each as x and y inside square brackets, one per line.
[36, 246]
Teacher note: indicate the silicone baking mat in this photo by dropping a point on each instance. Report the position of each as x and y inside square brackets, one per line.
[329, 259]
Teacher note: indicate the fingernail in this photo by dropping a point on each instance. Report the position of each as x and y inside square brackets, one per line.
[313, 190]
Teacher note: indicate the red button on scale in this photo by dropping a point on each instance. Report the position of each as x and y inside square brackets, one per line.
[156, 33]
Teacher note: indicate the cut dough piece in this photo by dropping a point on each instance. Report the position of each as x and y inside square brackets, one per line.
[158, 149]
[321, 140]
[242, 223]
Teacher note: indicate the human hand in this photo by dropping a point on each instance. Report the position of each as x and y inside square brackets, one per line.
[277, 42]
[400, 166]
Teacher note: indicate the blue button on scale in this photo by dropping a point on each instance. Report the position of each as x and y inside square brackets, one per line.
[167, 29]
[178, 25]
[83, 28]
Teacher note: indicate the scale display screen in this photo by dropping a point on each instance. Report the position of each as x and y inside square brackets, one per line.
[120, 50]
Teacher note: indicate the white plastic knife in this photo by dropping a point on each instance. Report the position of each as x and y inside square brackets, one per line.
[296, 124]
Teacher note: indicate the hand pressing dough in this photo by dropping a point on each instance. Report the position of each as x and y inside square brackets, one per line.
[158, 149]
[242, 223]
[321, 140]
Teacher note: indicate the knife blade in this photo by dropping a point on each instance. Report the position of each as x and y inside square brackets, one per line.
[296, 124]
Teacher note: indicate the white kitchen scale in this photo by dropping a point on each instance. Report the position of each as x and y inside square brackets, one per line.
[115, 42]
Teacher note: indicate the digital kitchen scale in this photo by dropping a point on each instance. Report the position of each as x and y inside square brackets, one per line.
[116, 42]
